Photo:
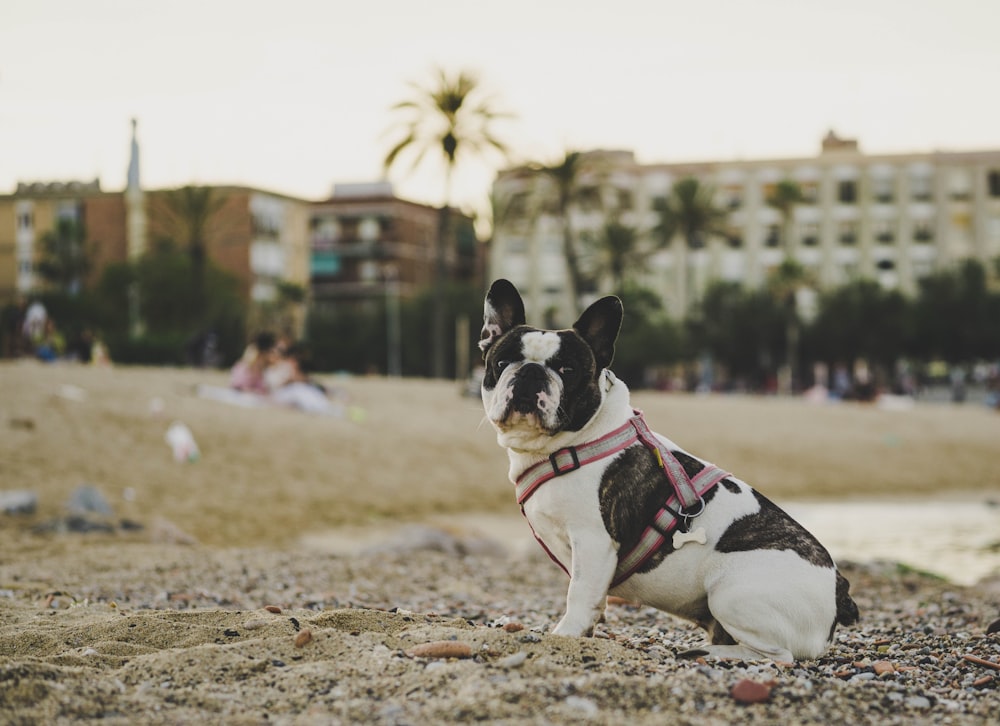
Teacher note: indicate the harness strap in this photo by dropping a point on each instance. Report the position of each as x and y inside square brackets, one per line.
[676, 511]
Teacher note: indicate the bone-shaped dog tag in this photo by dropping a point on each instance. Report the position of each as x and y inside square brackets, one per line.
[682, 538]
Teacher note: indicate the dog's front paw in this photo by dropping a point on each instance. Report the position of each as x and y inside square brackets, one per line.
[573, 630]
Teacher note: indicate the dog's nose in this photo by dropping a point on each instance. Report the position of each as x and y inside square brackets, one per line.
[530, 381]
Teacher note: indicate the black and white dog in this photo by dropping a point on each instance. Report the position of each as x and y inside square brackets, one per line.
[629, 513]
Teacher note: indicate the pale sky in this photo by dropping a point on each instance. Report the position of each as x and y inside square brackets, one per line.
[294, 96]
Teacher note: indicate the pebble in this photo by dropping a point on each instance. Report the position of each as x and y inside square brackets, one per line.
[747, 691]
[515, 660]
[441, 649]
[303, 638]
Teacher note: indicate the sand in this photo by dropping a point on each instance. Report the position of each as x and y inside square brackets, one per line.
[364, 529]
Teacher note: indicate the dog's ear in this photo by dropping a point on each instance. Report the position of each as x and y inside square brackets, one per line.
[502, 311]
[599, 326]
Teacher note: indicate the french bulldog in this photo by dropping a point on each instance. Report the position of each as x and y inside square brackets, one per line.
[629, 513]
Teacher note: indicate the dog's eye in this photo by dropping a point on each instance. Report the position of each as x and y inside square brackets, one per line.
[566, 370]
[501, 364]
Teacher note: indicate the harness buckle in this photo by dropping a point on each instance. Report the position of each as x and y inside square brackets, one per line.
[555, 464]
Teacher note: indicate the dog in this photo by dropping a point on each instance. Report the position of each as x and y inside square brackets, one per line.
[629, 513]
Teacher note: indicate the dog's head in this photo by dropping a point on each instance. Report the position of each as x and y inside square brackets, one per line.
[539, 383]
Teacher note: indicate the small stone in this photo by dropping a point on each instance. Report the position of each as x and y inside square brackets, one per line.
[273, 609]
[993, 627]
[303, 638]
[585, 706]
[18, 501]
[515, 660]
[883, 668]
[441, 649]
[917, 702]
[746, 691]
[513, 627]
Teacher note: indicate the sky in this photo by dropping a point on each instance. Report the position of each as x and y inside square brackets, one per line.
[295, 96]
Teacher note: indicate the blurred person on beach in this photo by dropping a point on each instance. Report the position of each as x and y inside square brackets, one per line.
[33, 326]
[249, 373]
[52, 345]
[292, 385]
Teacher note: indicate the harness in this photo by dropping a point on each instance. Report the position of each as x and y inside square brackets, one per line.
[683, 504]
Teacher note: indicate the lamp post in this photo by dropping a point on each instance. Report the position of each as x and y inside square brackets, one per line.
[392, 320]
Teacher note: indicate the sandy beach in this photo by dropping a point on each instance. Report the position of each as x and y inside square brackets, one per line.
[298, 568]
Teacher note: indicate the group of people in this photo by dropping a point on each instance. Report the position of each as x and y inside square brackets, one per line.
[278, 369]
[30, 330]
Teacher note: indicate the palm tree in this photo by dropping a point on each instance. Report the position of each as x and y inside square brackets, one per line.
[785, 196]
[620, 248]
[446, 117]
[790, 275]
[565, 174]
[189, 211]
[689, 212]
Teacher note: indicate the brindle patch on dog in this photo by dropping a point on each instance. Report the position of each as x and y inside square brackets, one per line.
[770, 528]
[633, 489]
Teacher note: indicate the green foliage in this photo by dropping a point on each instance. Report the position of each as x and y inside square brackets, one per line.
[64, 262]
[648, 339]
[861, 320]
[158, 287]
[690, 212]
[743, 329]
[958, 316]
[354, 338]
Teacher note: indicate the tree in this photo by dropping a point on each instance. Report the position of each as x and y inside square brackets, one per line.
[64, 262]
[565, 174]
[785, 285]
[619, 246]
[688, 213]
[741, 329]
[190, 210]
[450, 118]
[860, 320]
[785, 196]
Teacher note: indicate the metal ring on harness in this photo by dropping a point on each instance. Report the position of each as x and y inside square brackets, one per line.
[688, 516]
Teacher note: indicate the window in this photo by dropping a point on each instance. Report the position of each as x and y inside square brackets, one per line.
[847, 232]
[921, 188]
[847, 191]
[882, 189]
[25, 220]
[732, 197]
[810, 234]
[368, 229]
[993, 183]
[590, 198]
[625, 201]
[883, 231]
[810, 192]
[735, 239]
[923, 231]
[773, 238]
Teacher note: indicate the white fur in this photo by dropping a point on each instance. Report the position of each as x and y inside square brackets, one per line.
[539, 346]
[774, 603]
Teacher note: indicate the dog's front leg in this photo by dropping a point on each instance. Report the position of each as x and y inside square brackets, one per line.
[594, 563]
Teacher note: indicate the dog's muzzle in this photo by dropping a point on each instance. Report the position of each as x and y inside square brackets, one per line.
[529, 390]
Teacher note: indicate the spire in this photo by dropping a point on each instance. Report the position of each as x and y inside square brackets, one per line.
[133, 163]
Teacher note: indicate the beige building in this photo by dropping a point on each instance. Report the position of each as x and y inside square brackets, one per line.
[888, 217]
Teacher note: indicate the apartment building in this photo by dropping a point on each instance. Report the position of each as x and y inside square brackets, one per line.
[365, 241]
[893, 218]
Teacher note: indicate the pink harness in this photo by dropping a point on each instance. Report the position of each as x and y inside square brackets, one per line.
[687, 492]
